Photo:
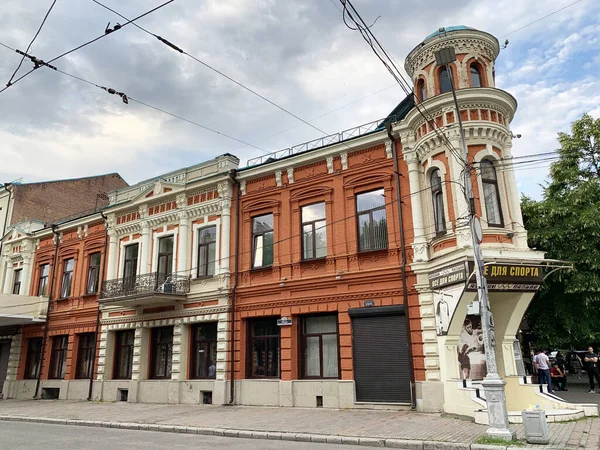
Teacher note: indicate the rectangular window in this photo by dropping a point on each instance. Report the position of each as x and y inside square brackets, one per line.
[67, 278]
[314, 233]
[58, 357]
[262, 241]
[17, 281]
[264, 348]
[165, 259]
[372, 222]
[85, 356]
[320, 347]
[43, 280]
[34, 355]
[161, 353]
[123, 364]
[204, 350]
[207, 246]
[130, 266]
[93, 273]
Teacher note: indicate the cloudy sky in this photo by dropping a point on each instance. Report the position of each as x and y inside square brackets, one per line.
[297, 53]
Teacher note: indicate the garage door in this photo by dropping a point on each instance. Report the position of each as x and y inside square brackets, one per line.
[381, 354]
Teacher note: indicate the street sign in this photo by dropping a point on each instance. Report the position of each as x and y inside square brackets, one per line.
[284, 321]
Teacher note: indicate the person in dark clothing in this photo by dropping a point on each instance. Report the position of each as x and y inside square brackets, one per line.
[590, 364]
[559, 380]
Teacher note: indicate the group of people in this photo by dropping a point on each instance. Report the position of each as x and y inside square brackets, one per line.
[554, 374]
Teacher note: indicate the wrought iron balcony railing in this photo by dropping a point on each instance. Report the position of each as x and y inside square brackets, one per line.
[151, 283]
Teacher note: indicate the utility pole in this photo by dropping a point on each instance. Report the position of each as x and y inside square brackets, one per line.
[493, 384]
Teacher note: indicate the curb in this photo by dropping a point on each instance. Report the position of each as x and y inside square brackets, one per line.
[402, 444]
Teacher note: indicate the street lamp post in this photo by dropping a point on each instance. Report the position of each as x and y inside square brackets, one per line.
[493, 384]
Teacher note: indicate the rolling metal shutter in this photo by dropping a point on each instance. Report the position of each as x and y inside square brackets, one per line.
[381, 356]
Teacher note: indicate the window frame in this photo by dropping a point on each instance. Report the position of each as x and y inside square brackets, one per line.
[437, 195]
[130, 281]
[303, 347]
[67, 273]
[477, 68]
[154, 353]
[493, 182]
[445, 69]
[262, 233]
[421, 90]
[250, 348]
[58, 357]
[312, 223]
[43, 278]
[168, 258]
[196, 344]
[17, 281]
[33, 359]
[120, 348]
[93, 269]
[371, 222]
[207, 262]
[86, 347]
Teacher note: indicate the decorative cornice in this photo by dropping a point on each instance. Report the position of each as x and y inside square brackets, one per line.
[177, 314]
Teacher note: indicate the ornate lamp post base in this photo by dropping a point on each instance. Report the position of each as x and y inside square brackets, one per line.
[495, 397]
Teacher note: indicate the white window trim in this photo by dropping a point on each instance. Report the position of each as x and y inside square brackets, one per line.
[430, 231]
[195, 231]
[491, 155]
[122, 245]
[156, 237]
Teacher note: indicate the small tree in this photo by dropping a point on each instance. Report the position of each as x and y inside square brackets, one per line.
[566, 224]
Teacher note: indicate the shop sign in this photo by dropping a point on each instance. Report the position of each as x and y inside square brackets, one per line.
[284, 321]
[448, 276]
[510, 278]
[369, 303]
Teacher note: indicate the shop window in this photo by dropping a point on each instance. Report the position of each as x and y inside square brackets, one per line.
[34, 355]
[264, 348]
[85, 355]
[444, 80]
[421, 90]
[123, 363]
[320, 347]
[161, 353]
[491, 194]
[437, 195]
[262, 241]
[17, 281]
[67, 278]
[204, 351]
[93, 273]
[475, 75]
[164, 267]
[314, 232]
[43, 280]
[58, 357]
[207, 246]
[372, 222]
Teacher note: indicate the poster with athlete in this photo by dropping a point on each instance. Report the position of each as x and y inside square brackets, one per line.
[445, 301]
[470, 349]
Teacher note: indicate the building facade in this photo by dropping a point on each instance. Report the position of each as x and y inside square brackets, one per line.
[165, 302]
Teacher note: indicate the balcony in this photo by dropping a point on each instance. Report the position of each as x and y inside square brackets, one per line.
[22, 309]
[149, 289]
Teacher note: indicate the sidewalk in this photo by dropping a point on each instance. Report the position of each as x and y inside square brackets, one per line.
[399, 429]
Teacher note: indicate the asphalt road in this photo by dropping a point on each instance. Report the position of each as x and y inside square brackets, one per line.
[26, 435]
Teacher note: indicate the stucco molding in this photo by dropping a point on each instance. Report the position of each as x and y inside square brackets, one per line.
[197, 314]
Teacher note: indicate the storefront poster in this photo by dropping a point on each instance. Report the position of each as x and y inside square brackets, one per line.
[445, 301]
[470, 349]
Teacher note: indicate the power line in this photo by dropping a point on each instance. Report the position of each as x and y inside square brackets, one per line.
[32, 41]
[106, 33]
[180, 50]
[541, 18]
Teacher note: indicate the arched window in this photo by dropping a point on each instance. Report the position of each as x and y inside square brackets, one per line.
[491, 194]
[444, 79]
[437, 196]
[421, 90]
[475, 76]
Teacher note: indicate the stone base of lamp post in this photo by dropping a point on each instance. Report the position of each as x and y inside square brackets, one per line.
[495, 398]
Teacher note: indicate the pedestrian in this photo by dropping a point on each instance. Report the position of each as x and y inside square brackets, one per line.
[576, 364]
[558, 377]
[590, 364]
[541, 362]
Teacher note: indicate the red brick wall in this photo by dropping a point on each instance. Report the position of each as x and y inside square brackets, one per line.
[54, 200]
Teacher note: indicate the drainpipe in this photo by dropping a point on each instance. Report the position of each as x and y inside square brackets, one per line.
[413, 403]
[45, 338]
[100, 285]
[236, 183]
